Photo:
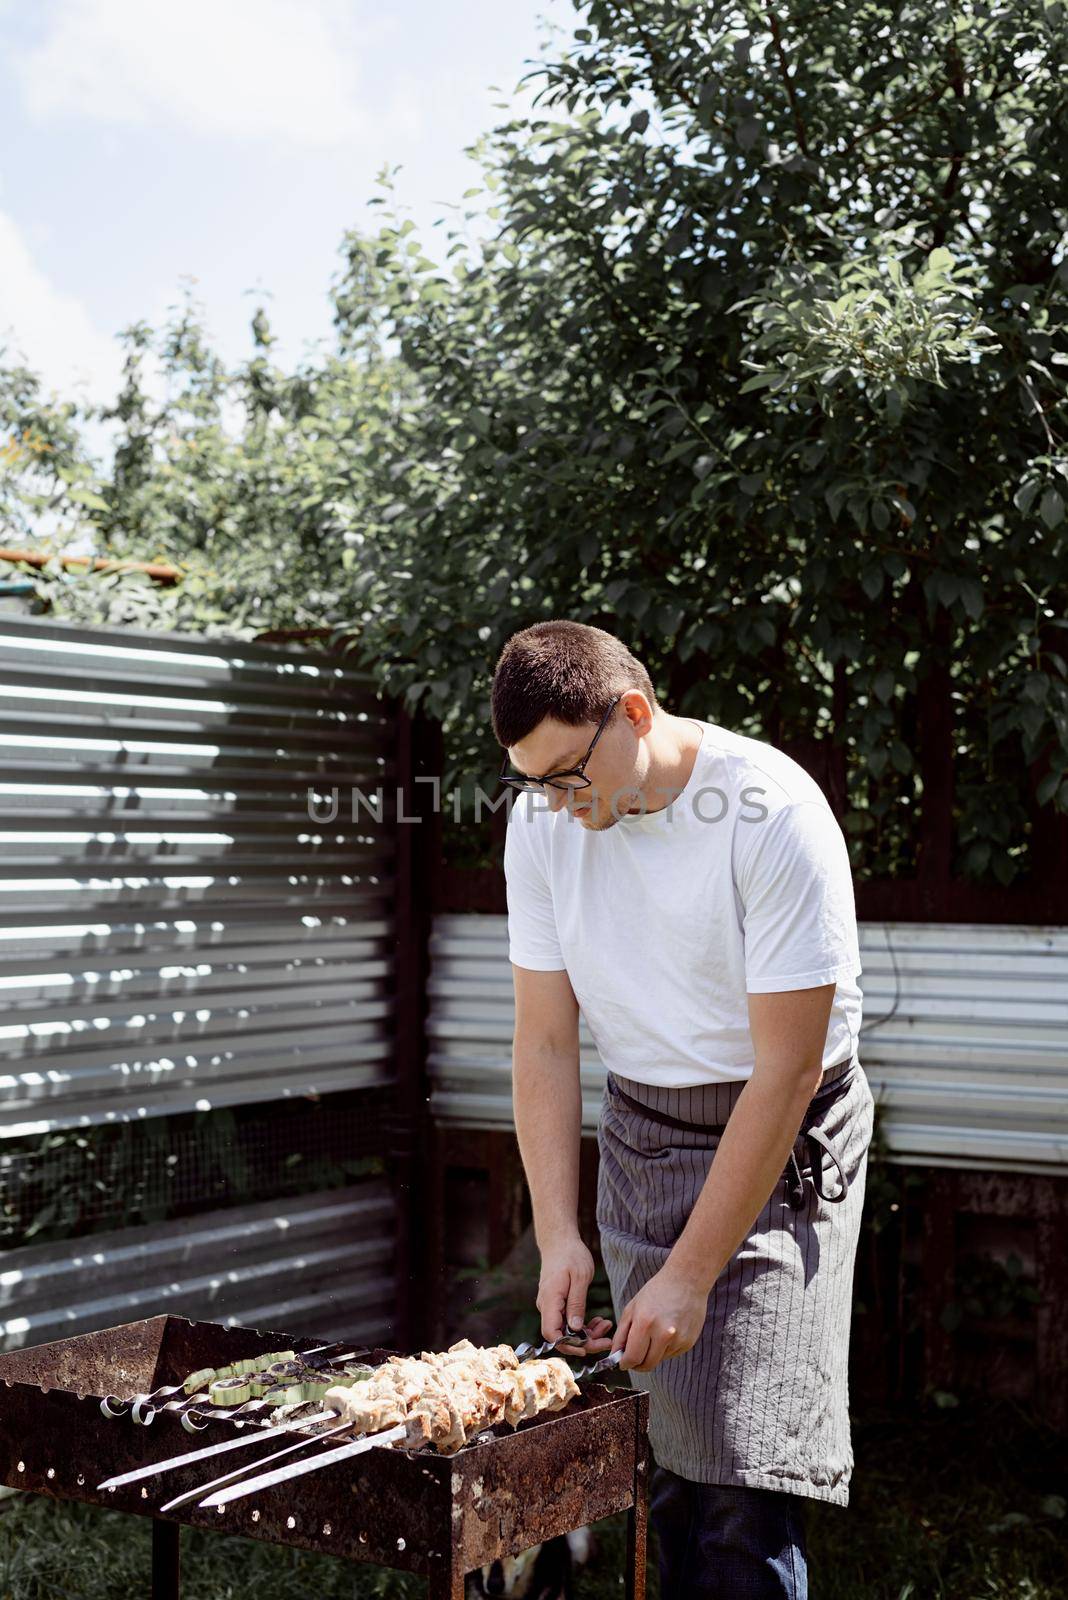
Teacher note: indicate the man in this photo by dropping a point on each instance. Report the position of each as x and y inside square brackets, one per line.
[688, 889]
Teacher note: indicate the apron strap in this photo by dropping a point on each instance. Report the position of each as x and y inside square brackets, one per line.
[818, 1145]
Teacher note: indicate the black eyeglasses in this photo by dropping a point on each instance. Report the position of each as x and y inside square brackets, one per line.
[576, 773]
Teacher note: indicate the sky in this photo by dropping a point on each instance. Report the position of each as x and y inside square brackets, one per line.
[146, 142]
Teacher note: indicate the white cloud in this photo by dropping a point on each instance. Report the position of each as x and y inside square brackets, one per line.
[243, 69]
[49, 328]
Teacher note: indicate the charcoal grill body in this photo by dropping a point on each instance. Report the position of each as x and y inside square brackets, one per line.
[438, 1516]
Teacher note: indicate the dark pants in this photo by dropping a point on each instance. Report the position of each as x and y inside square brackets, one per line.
[724, 1542]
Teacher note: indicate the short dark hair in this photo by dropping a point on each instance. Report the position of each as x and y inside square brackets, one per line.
[565, 670]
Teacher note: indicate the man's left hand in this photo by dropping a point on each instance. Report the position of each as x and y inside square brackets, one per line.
[664, 1319]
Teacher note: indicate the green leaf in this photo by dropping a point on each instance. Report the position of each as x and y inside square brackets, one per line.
[1048, 788]
[1004, 870]
[761, 380]
[1051, 508]
[971, 594]
[589, 545]
[88, 498]
[947, 587]
[940, 260]
[748, 132]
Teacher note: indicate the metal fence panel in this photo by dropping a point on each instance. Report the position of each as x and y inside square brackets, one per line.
[965, 1041]
[176, 932]
[323, 1264]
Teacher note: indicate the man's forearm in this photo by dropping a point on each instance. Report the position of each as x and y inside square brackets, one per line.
[752, 1152]
[547, 1103]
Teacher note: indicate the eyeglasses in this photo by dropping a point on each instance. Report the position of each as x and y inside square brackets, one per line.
[551, 778]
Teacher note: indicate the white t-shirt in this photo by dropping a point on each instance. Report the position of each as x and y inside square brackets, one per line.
[665, 921]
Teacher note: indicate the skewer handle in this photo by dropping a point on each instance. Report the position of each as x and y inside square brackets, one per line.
[605, 1364]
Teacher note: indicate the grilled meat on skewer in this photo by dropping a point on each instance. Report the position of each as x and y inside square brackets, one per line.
[451, 1410]
[457, 1398]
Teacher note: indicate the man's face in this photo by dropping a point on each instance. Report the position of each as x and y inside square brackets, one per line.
[614, 769]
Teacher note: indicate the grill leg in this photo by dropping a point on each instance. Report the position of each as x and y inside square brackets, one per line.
[636, 1538]
[638, 1515]
[166, 1582]
[446, 1583]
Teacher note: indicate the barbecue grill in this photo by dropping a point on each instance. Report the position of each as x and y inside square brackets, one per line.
[438, 1516]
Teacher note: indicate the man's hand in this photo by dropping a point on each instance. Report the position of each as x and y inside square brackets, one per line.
[566, 1275]
[664, 1319]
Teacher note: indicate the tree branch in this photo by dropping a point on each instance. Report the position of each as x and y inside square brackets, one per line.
[787, 78]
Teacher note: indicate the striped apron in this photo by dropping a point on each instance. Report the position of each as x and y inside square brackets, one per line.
[762, 1398]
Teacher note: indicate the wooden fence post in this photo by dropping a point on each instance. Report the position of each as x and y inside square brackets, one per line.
[416, 813]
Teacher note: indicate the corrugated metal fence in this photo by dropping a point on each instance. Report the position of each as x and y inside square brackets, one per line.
[323, 1264]
[965, 1038]
[174, 929]
[176, 932]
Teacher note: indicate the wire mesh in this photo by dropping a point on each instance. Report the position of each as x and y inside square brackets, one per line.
[81, 1181]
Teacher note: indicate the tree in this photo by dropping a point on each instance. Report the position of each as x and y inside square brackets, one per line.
[763, 369]
[247, 480]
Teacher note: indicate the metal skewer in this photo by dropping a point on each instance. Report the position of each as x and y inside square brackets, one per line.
[528, 1352]
[256, 1435]
[143, 1407]
[602, 1364]
[239, 1472]
[296, 1469]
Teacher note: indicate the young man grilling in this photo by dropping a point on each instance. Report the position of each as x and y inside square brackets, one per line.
[688, 889]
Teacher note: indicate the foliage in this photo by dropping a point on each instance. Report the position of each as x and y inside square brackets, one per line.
[47, 477]
[763, 369]
[866, 322]
[77, 1181]
[247, 480]
[990, 1289]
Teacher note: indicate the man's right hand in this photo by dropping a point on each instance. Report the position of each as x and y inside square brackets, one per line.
[566, 1275]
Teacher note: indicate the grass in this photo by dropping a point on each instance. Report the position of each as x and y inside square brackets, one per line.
[958, 1504]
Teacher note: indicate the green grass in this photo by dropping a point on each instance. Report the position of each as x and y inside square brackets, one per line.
[959, 1504]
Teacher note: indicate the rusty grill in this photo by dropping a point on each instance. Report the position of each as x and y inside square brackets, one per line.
[438, 1516]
